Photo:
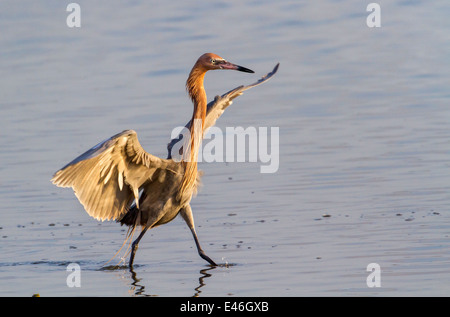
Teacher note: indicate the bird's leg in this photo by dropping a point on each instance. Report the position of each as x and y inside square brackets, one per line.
[186, 213]
[200, 251]
[134, 246]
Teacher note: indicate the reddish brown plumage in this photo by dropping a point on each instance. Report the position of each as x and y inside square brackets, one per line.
[196, 91]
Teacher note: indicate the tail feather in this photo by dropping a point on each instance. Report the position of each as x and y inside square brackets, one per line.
[131, 218]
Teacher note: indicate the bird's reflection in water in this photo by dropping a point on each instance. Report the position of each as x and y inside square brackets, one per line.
[138, 287]
[201, 280]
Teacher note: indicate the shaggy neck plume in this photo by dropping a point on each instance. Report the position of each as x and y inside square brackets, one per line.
[194, 86]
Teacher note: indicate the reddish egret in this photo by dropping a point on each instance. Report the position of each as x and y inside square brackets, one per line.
[118, 180]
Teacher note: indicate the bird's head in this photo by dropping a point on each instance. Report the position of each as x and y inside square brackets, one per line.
[211, 61]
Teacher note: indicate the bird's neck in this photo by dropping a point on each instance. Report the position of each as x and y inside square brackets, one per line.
[194, 86]
[196, 90]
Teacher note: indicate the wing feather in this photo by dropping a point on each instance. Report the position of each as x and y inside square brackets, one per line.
[107, 178]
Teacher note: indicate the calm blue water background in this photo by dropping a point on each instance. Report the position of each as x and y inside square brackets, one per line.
[364, 123]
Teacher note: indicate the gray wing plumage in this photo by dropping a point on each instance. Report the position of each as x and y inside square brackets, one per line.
[106, 179]
[216, 107]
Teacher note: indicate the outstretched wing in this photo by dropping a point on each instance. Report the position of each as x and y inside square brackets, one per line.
[216, 107]
[106, 179]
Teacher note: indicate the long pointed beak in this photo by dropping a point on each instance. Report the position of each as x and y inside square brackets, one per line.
[228, 65]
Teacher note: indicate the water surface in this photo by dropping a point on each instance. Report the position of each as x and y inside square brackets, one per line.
[364, 146]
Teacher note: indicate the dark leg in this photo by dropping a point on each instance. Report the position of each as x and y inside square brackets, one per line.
[134, 246]
[200, 251]
[186, 213]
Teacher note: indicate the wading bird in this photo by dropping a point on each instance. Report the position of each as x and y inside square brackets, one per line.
[118, 180]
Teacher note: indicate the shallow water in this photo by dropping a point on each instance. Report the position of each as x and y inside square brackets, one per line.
[364, 146]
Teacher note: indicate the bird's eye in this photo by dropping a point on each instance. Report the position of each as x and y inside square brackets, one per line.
[213, 61]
